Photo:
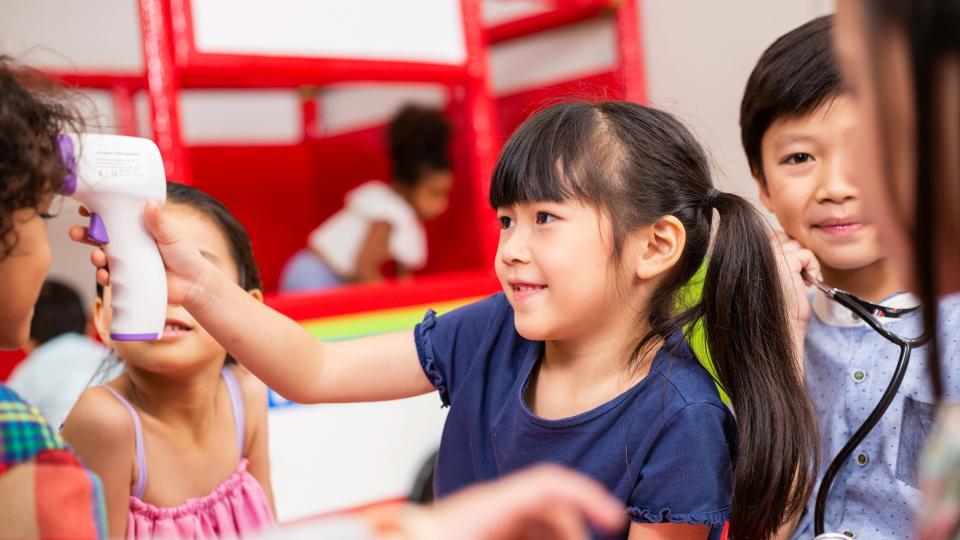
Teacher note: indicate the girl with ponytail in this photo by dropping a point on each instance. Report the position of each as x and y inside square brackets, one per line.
[606, 210]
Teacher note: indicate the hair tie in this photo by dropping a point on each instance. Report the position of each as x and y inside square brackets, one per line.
[712, 196]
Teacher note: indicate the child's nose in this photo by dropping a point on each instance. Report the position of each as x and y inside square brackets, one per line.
[836, 185]
[514, 248]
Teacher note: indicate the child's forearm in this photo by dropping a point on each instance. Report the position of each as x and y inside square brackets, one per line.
[272, 346]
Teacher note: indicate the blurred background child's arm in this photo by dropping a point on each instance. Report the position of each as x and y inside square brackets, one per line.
[373, 252]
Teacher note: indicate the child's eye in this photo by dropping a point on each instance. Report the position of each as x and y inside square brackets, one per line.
[544, 218]
[798, 159]
[505, 222]
[47, 216]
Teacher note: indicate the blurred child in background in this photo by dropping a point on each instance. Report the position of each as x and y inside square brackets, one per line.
[382, 222]
[61, 359]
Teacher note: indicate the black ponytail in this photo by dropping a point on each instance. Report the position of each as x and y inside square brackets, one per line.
[746, 325]
[640, 165]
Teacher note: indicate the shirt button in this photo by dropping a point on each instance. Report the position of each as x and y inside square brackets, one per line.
[849, 534]
[863, 459]
[858, 375]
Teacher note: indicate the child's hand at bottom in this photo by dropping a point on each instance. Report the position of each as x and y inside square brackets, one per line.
[188, 272]
[546, 502]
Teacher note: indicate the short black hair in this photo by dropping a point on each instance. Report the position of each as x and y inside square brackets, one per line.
[793, 77]
[418, 137]
[58, 311]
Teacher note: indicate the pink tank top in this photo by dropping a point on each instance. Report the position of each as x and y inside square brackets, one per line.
[237, 506]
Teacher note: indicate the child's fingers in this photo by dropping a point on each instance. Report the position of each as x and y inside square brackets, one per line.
[809, 266]
[158, 226]
[78, 233]
[557, 486]
[103, 277]
[791, 246]
[98, 258]
[562, 521]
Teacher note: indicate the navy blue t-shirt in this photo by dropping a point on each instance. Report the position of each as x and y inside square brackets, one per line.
[665, 447]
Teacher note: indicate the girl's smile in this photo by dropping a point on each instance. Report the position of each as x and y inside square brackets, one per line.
[523, 290]
[174, 329]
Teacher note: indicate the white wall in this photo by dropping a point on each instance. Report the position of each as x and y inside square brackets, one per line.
[698, 55]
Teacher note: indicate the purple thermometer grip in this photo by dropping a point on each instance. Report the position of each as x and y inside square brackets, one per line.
[66, 153]
[97, 230]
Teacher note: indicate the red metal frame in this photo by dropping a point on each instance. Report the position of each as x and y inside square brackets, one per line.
[164, 89]
[101, 79]
[173, 63]
[124, 111]
[482, 126]
[629, 47]
[563, 15]
[310, 114]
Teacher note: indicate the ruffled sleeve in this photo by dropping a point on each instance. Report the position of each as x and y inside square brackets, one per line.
[449, 344]
[688, 475]
[427, 359]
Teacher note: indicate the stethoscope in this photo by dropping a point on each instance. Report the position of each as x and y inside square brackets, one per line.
[868, 312]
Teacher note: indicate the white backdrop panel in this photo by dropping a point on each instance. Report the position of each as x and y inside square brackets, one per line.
[419, 31]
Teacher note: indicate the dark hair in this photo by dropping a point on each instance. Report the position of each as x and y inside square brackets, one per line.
[58, 311]
[241, 250]
[793, 77]
[932, 37]
[32, 116]
[639, 164]
[418, 138]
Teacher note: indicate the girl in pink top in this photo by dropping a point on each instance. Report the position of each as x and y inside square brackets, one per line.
[180, 437]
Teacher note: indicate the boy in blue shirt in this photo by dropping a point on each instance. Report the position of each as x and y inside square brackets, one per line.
[795, 120]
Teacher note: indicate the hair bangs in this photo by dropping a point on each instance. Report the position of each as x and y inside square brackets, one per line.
[549, 158]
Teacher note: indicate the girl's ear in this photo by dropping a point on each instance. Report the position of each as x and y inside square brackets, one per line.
[658, 247]
[102, 317]
[256, 293]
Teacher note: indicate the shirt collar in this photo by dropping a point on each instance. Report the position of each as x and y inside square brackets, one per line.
[833, 314]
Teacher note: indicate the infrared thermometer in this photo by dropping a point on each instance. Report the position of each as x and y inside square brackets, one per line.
[113, 177]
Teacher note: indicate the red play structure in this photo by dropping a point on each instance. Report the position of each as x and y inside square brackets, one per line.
[280, 192]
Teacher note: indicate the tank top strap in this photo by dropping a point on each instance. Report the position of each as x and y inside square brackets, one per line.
[140, 488]
[236, 402]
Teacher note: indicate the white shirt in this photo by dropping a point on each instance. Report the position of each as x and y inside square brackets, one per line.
[340, 237]
[56, 373]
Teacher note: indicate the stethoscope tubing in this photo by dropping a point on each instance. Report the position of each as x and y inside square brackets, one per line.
[906, 347]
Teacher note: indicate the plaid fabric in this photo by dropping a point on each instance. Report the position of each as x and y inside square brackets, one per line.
[24, 432]
[45, 492]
